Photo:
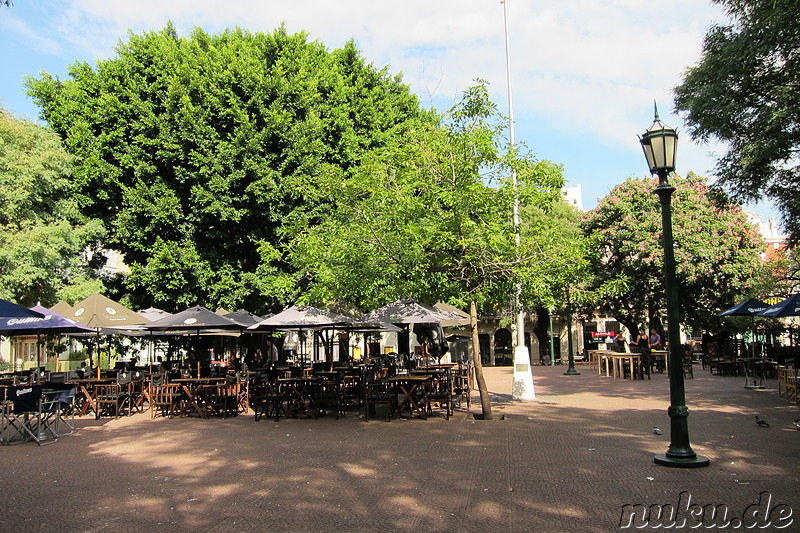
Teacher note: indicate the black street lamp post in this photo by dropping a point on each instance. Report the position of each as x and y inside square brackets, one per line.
[571, 355]
[659, 143]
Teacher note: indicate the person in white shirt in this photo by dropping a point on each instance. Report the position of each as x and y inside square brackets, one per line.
[272, 353]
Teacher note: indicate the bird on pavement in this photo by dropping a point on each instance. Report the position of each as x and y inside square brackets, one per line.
[761, 422]
[797, 423]
[657, 431]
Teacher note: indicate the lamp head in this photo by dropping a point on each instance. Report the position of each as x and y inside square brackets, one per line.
[660, 143]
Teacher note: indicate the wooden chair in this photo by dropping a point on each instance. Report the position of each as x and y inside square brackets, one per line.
[462, 389]
[787, 384]
[110, 398]
[440, 392]
[378, 392]
[688, 369]
[268, 398]
[330, 395]
[219, 399]
[243, 391]
[164, 397]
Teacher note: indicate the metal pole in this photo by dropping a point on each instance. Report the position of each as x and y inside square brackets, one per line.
[680, 453]
[520, 318]
[570, 353]
[522, 387]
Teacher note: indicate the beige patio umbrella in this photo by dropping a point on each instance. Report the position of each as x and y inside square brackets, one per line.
[98, 311]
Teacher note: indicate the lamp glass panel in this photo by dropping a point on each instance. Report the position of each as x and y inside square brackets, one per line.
[670, 147]
[648, 153]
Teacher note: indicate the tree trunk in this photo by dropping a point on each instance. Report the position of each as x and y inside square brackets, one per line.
[486, 406]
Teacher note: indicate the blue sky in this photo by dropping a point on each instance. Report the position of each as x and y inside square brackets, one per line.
[585, 72]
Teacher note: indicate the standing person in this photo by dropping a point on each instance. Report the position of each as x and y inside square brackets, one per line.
[619, 341]
[272, 353]
[642, 342]
[655, 340]
[643, 347]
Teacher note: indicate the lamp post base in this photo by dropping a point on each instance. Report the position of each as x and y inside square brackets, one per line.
[698, 461]
[572, 372]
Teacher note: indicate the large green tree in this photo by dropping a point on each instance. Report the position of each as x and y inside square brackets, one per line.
[430, 216]
[745, 92]
[717, 252]
[43, 236]
[197, 150]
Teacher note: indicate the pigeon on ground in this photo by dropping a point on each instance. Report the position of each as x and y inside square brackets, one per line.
[797, 423]
[761, 422]
[657, 431]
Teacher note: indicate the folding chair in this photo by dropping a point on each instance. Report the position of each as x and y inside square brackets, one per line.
[22, 417]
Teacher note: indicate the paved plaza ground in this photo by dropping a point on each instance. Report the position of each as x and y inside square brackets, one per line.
[569, 461]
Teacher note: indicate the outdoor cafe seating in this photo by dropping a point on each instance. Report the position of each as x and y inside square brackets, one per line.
[370, 388]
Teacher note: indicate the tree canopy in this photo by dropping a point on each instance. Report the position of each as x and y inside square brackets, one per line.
[43, 236]
[717, 252]
[431, 216]
[745, 91]
[197, 151]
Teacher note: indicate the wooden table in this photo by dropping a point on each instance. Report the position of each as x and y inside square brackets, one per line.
[596, 359]
[661, 353]
[414, 393]
[302, 396]
[86, 392]
[617, 361]
[190, 386]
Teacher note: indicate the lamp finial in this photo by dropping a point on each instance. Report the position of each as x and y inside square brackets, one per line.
[655, 110]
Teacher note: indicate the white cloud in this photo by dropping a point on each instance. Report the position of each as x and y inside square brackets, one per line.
[590, 66]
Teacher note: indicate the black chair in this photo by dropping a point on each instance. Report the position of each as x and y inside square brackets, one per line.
[329, 395]
[269, 399]
[378, 392]
[646, 361]
[23, 417]
[440, 391]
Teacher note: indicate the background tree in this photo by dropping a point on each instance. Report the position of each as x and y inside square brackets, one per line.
[196, 150]
[745, 91]
[717, 252]
[43, 236]
[430, 216]
[563, 266]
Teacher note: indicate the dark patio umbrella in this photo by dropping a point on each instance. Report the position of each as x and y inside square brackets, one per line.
[197, 321]
[10, 309]
[789, 307]
[244, 317]
[48, 323]
[194, 319]
[426, 319]
[305, 317]
[152, 314]
[751, 307]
